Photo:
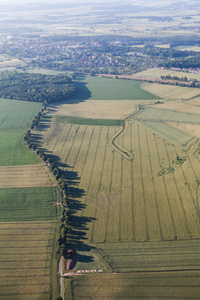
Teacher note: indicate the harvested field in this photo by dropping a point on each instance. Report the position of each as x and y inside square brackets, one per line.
[174, 134]
[25, 176]
[194, 101]
[165, 115]
[171, 91]
[157, 73]
[159, 209]
[193, 129]
[165, 285]
[182, 106]
[28, 204]
[100, 109]
[26, 260]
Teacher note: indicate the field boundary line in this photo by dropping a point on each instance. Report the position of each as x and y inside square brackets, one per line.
[142, 183]
[109, 194]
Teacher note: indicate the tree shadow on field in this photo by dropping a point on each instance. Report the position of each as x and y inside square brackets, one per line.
[78, 221]
[82, 94]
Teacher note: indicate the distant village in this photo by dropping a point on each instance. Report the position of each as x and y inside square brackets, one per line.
[81, 56]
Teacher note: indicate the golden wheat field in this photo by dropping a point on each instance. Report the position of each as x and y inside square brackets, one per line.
[171, 91]
[157, 73]
[124, 200]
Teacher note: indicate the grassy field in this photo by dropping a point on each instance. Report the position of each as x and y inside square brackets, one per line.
[86, 121]
[97, 88]
[28, 204]
[157, 73]
[26, 260]
[17, 114]
[27, 255]
[12, 63]
[15, 119]
[13, 150]
[170, 286]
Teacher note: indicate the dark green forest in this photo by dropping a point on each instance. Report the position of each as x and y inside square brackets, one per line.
[36, 87]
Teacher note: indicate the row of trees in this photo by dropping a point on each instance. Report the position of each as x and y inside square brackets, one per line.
[59, 176]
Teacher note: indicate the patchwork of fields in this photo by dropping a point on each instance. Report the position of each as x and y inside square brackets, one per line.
[136, 207]
[133, 190]
[127, 199]
[28, 212]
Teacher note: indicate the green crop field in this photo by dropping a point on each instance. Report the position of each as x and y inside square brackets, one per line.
[27, 254]
[13, 150]
[97, 88]
[17, 114]
[15, 119]
[28, 204]
[86, 121]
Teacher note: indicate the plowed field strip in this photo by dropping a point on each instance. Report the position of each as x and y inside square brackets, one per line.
[58, 149]
[140, 226]
[99, 194]
[127, 196]
[176, 203]
[24, 176]
[187, 200]
[79, 147]
[151, 162]
[132, 183]
[149, 192]
[142, 181]
[97, 208]
[111, 206]
[168, 217]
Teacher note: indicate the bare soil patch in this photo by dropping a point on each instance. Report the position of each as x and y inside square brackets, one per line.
[25, 176]
[71, 260]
